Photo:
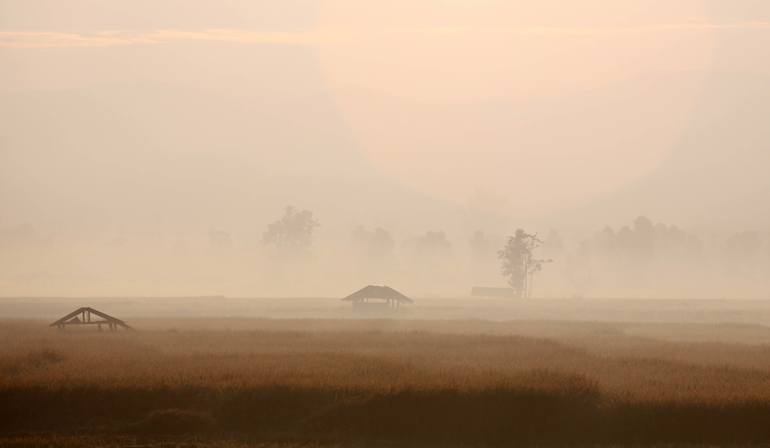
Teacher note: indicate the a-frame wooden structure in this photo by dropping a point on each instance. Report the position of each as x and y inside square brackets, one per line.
[90, 316]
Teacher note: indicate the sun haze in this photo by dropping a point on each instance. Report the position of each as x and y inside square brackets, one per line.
[136, 128]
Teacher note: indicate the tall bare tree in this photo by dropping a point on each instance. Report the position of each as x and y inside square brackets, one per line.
[518, 262]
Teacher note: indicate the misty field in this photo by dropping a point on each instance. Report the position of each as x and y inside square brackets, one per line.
[233, 382]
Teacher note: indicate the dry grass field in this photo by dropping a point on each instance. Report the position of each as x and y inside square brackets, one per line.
[232, 382]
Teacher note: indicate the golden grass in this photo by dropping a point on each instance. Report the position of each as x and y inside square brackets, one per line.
[629, 367]
[333, 372]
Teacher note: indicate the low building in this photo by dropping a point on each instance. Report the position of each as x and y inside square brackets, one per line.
[377, 298]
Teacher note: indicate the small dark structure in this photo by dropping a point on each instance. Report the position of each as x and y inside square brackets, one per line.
[377, 298]
[90, 316]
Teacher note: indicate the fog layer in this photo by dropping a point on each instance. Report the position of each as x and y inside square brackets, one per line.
[146, 147]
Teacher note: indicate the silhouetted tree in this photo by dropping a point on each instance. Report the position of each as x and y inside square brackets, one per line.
[518, 263]
[375, 244]
[643, 239]
[643, 243]
[640, 255]
[743, 246]
[293, 233]
[433, 243]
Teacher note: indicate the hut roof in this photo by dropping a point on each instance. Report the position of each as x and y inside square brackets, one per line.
[73, 318]
[378, 292]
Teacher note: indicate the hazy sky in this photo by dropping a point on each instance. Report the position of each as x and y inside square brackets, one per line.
[172, 113]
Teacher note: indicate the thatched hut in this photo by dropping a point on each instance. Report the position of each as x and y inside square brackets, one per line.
[377, 297]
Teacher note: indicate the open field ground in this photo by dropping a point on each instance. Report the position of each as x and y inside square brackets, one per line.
[348, 381]
[426, 308]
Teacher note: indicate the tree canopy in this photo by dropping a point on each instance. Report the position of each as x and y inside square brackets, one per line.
[293, 233]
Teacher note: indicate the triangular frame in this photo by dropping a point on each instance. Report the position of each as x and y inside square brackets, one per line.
[83, 316]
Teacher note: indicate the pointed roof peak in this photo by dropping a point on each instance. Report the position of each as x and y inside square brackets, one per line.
[377, 292]
[85, 312]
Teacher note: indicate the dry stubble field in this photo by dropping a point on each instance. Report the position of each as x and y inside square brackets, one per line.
[229, 382]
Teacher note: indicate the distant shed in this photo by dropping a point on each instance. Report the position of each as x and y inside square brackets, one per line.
[377, 297]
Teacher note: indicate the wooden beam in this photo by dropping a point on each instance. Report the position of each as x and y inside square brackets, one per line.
[84, 316]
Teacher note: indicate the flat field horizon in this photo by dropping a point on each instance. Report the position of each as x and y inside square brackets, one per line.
[685, 311]
[241, 372]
